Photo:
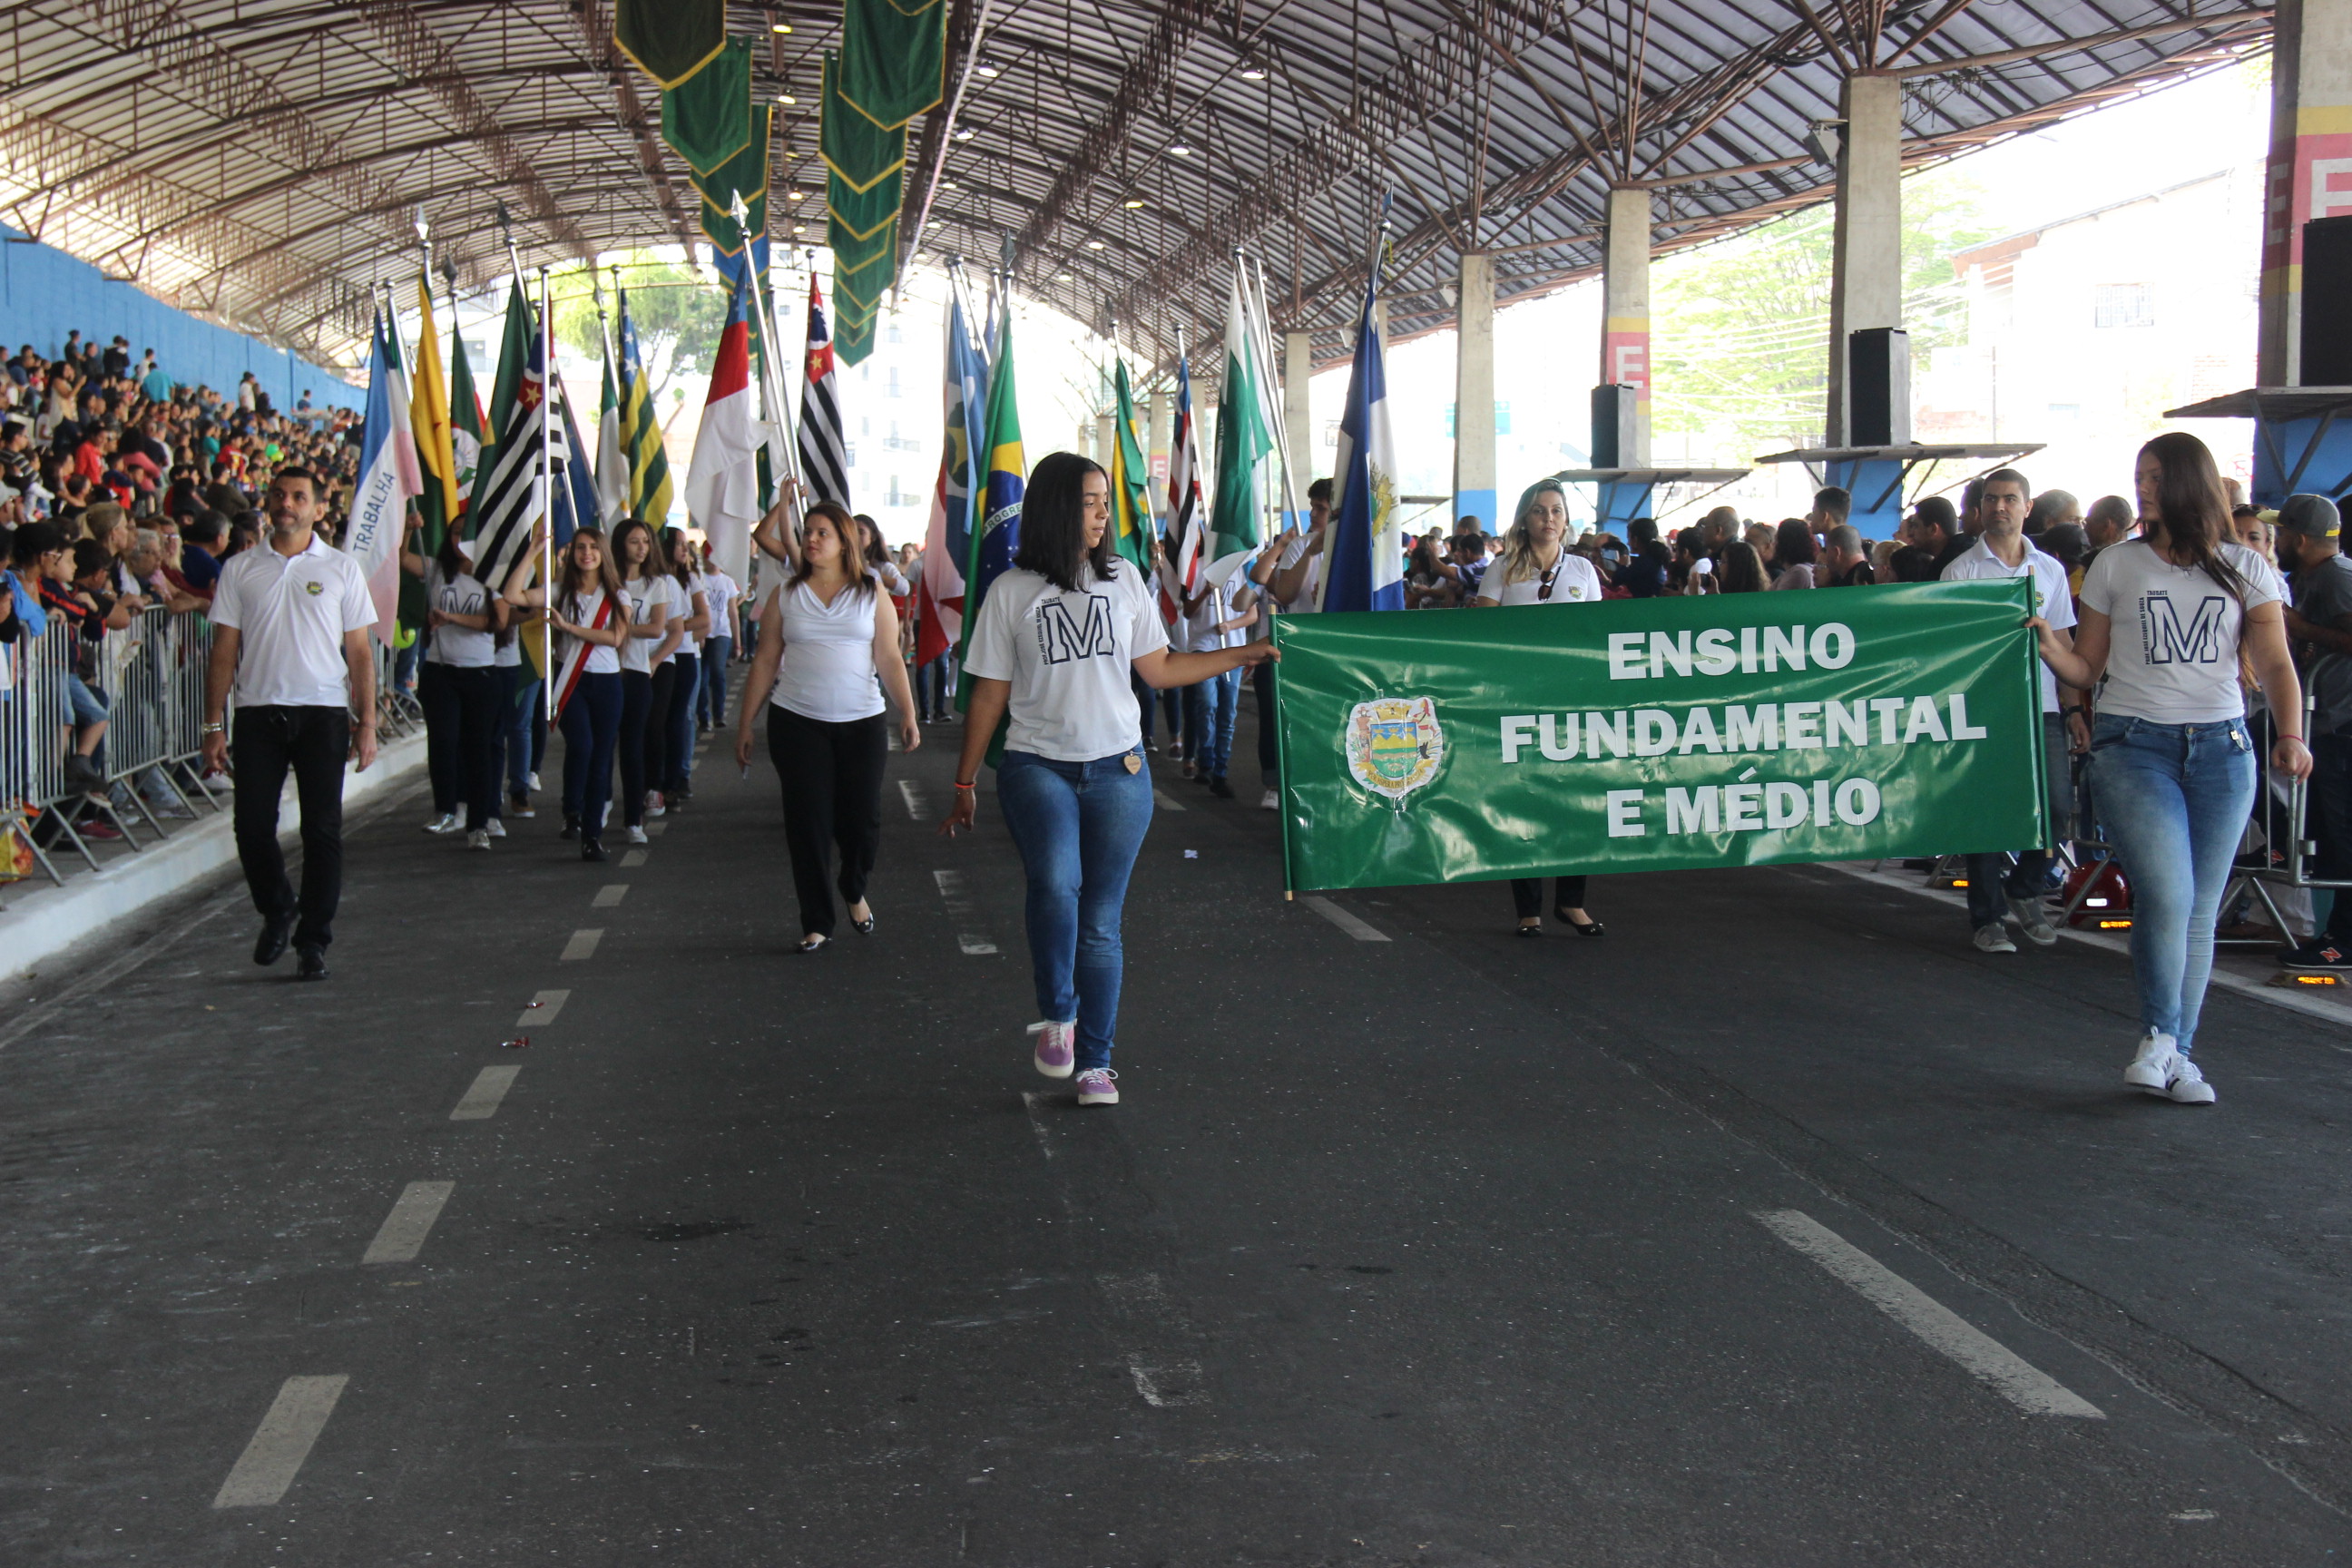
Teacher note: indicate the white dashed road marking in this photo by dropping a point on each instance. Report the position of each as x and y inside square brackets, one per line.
[631, 858]
[1172, 1384]
[481, 1101]
[544, 1007]
[609, 895]
[2022, 1383]
[281, 1443]
[952, 889]
[403, 1230]
[1165, 802]
[912, 794]
[581, 946]
[1344, 919]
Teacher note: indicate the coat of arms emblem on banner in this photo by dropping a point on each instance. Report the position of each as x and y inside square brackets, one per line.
[1394, 744]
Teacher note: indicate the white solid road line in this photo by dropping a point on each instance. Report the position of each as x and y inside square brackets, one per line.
[952, 889]
[1164, 801]
[295, 1417]
[609, 895]
[2020, 1381]
[1032, 1099]
[403, 1233]
[543, 1008]
[481, 1101]
[1343, 919]
[631, 858]
[581, 946]
[911, 792]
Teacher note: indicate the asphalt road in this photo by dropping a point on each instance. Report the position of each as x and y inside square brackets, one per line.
[1779, 1226]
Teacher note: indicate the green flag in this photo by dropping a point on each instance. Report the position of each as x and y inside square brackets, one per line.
[1659, 734]
[1130, 480]
[706, 119]
[1243, 439]
[852, 146]
[894, 56]
[465, 418]
[669, 39]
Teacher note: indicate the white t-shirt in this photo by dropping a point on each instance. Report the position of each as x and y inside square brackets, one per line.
[603, 658]
[454, 646]
[1067, 656]
[290, 613]
[723, 591]
[894, 581]
[1292, 554]
[1573, 582]
[827, 673]
[2173, 657]
[694, 585]
[1201, 624]
[2054, 598]
[644, 596]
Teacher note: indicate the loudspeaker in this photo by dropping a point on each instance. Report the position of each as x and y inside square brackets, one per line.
[1878, 387]
[2327, 303]
[1612, 414]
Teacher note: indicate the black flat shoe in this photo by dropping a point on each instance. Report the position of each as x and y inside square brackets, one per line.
[592, 849]
[1581, 928]
[314, 965]
[571, 828]
[271, 945]
[864, 927]
[812, 945]
[1531, 930]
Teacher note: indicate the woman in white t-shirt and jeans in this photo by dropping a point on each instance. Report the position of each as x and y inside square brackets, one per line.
[2166, 620]
[1052, 649]
[1538, 568]
[826, 632]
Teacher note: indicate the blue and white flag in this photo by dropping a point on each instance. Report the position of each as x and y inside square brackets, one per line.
[963, 474]
[1364, 557]
[390, 478]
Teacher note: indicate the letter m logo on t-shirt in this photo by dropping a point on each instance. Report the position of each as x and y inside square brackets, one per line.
[1062, 636]
[2170, 640]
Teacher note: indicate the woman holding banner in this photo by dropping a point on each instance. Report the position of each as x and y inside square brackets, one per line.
[2166, 620]
[1538, 568]
[1050, 652]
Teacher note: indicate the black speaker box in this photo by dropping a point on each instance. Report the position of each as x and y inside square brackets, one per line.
[1612, 414]
[1878, 387]
[2327, 303]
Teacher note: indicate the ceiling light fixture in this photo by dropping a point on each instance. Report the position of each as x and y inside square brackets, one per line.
[964, 134]
[988, 67]
[786, 98]
[1063, 277]
[800, 228]
[1178, 149]
[780, 27]
[1094, 245]
[791, 195]
[1134, 203]
[1253, 71]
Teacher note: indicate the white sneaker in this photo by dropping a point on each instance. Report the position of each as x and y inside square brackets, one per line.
[479, 839]
[2187, 1086]
[534, 785]
[653, 806]
[2033, 918]
[1991, 938]
[1270, 801]
[636, 835]
[2150, 1064]
[496, 829]
[1095, 1087]
[446, 823]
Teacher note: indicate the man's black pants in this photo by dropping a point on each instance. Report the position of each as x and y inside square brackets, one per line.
[313, 743]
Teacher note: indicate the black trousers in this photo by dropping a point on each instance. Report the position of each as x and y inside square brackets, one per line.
[1526, 894]
[659, 697]
[636, 709]
[462, 712]
[313, 744]
[832, 776]
[1269, 733]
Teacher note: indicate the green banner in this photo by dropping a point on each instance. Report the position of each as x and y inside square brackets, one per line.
[857, 151]
[669, 39]
[893, 57]
[1658, 734]
[706, 119]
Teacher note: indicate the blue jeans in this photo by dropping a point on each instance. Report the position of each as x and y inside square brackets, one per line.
[591, 727]
[1219, 697]
[678, 748]
[711, 701]
[2174, 799]
[1986, 879]
[1078, 827]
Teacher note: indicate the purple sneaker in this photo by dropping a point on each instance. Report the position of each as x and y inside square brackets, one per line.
[1096, 1088]
[1053, 1055]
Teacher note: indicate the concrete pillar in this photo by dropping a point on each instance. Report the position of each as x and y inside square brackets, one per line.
[1106, 438]
[1866, 265]
[1474, 394]
[1163, 435]
[1297, 417]
[2310, 172]
[1625, 314]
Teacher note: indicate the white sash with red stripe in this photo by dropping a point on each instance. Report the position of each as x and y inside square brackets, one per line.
[576, 656]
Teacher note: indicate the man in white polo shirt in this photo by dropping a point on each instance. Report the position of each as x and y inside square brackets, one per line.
[290, 620]
[2002, 550]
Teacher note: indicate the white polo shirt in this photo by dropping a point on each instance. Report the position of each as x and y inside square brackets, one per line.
[2054, 600]
[290, 613]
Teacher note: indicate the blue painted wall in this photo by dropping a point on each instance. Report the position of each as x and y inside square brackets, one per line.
[45, 294]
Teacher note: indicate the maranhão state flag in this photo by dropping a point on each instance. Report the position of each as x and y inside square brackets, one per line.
[722, 482]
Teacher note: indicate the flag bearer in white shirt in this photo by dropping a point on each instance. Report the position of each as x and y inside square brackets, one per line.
[290, 621]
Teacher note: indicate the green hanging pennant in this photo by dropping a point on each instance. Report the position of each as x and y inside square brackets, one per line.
[864, 286]
[854, 342]
[706, 118]
[860, 215]
[745, 173]
[859, 152]
[850, 254]
[893, 59]
[669, 39]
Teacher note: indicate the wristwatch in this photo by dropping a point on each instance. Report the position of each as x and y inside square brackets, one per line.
[212, 729]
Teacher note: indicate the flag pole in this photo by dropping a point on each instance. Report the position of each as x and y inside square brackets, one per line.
[547, 491]
[1263, 341]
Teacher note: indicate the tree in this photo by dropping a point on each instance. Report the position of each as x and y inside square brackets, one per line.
[677, 311]
[1742, 345]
